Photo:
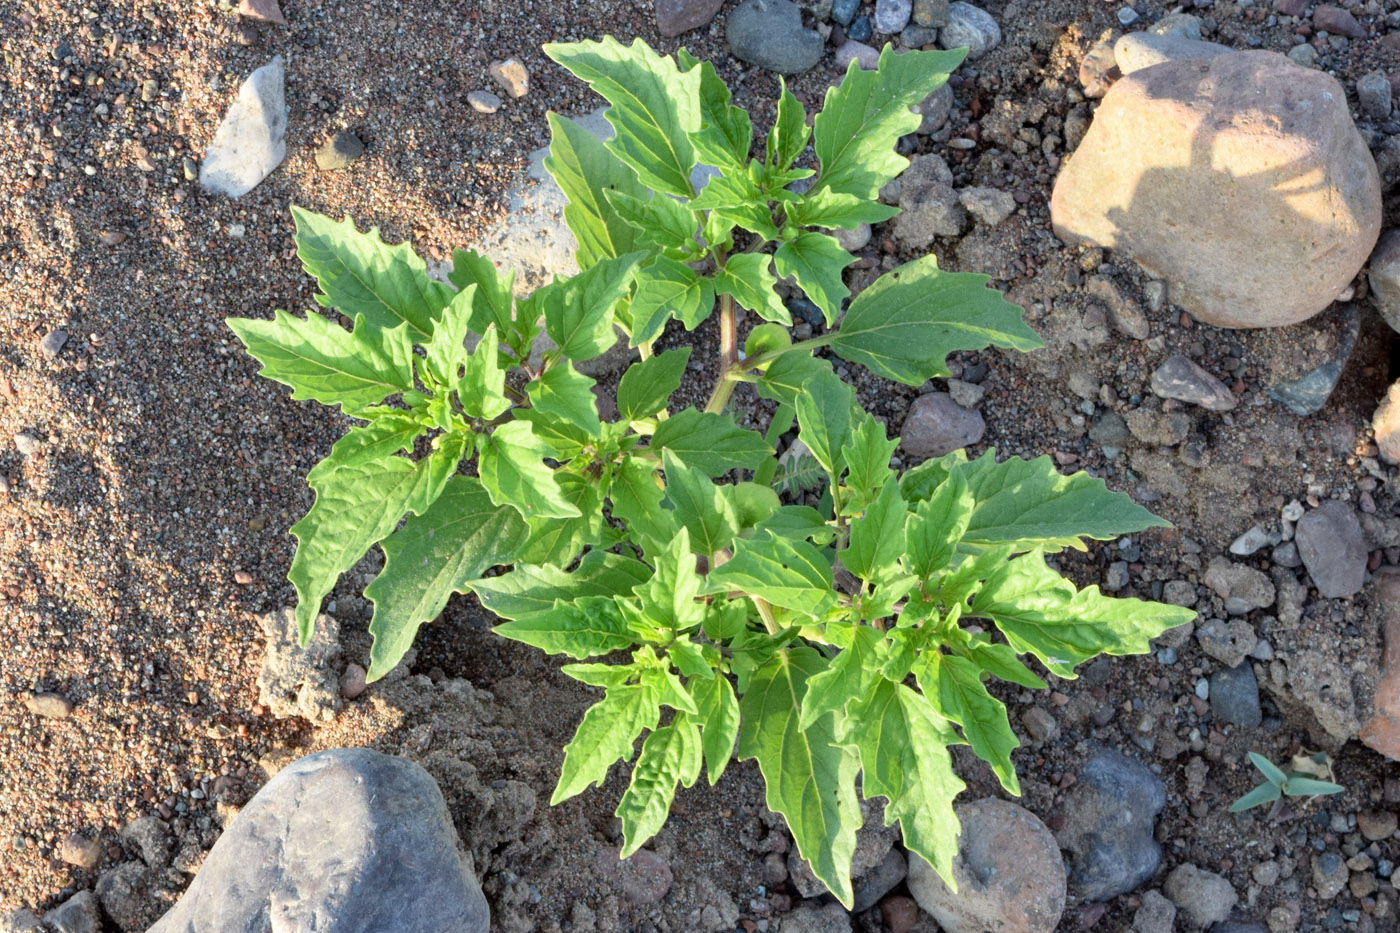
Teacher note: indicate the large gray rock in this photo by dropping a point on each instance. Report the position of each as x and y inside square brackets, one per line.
[770, 34]
[1109, 815]
[78, 914]
[1384, 276]
[248, 144]
[1330, 543]
[342, 841]
[1240, 179]
[1008, 871]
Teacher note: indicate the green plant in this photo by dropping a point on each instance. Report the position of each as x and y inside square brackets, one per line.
[1277, 784]
[829, 642]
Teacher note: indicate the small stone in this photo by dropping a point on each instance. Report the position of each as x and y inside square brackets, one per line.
[297, 680]
[891, 16]
[1242, 588]
[81, 851]
[1184, 25]
[512, 75]
[113, 237]
[1127, 16]
[861, 29]
[917, 37]
[935, 109]
[770, 34]
[1234, 696]
[53, 342]
[966, 394]
[1098, 69]
[1202, 897]
[1330, 543]
[339, 151]
[190, 168]
[1108, 826]
[249, 143]
[1373, 93]
[1252, 541]
[27, 444]
[899, 913]
[971, 27]
[151, 839]
[987, 204]
[930, 208]
[1308, 393]
[1376, 825]
[874, 884]
[1330, 875]
[48, 705]
[851, 50]
[674, 17]
[645, 876]
[352, 682]
[1384, 277]
[1182, 379]
[853, 240]
[1040, 724]
[266, 11]
[150, 90]
[1155, 915]
[931, 14]
[484, 101]
[242, 577]
[79, 914]
[936, 425]
[21, 921]
[4, 485]
[1338, 22]
[843, 11]
[1386, 424]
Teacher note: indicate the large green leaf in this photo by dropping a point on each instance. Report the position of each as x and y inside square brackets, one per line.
[937, 526]
[383, 437]
[655, 106]
[810, 778]
[786, 573]
[700, 506]
[954, 687]
[1029, 503]
[560, 540]
[830, 209]
[904, 758]
[669, 755]
[867, 454]
[585, 628]
[584, 169]
[636, 499]
[530, 588]
[877, 537]
[711, 443]
[514, 473]
[323, 361]
[737, 198]
[646, 387]
[668, 289]
[816, 261]
[493, 301]
[719, 715]
[433, 556]
[790, 131]
[564, 392]
[482, 388]
[864, 116]
[669, 597]
[746, 277]
[726, 132]
[608, 733]
[662, 222]
[851, 676]
[824, 410]
[358, 274]
[1041, 613]
[904, 325]
[578, 311]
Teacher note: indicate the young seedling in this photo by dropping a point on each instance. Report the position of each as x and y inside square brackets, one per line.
[1278, 785]
[851, 640]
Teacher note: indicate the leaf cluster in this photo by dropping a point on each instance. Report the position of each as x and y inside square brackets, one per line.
[665, 552]
[1279, 784]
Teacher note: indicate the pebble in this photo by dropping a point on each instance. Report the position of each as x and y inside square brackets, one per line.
[484, 101]
[932, 14]
[1098, 69]
[674, 17]
[966, 394]
[843, 11]
[987, 204]
[969, 26]
[21, 921]
[1386, 424]
[267, 11]
[1040, 724]
[1377, 825]
[644, 877]
[1181, 378]
[1303, 54]
[851, 50]
[935, 109]
[1234, 696]
[917, 37]
[873, 885]
[1108, 826]
[1330, 875]
[770, 34]
[899, 913]
[1308, 393]
[79, 914]
[353, 682]
[1127, 16]
[1374, 93]
[1383, 274]
[861, 29]
[891, 16]
[1241, 587]
[1156, 914]
[249, 143]
[48, 705]
[937, 425]
[339, 151]
[1202, 897]
[242, 577]
[1337, 22]
[1253, 540]
[512, 75]
[81, 851]
[1228, 642]
[27, 444]
[53, 342]
[1330, 543]
[853, 240]
[113, 237]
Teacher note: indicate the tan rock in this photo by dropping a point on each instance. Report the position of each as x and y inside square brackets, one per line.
[1240, 179]
[1382, 732]
[1386, 425]
[1140, 50]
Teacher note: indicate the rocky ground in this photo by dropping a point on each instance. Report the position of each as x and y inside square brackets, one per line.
[148, 477]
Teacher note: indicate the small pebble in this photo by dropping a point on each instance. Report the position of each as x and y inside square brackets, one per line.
[113, 238]
[352, 682]
[511, 75]
[1127, 16]
[484, 101]
[339, 151]
[242, 577]
[27, 444]
[53, 342]
[48, 705]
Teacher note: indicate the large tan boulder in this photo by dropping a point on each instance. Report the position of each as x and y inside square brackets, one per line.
[1240, 179]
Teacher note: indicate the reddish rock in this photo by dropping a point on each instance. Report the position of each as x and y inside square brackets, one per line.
[899, 913]
[1382, 733]
[267, 11]
[674, 17]
[645, 876]
[1338, 22]
[1292, 7]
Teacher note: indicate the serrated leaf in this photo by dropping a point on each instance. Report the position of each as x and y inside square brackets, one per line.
[810, 779]
[863, 117]
[358, 274]
[607, 734]
[919, 483]
[529, 588]
[559, 541]
[1030, 503]
[1001, 662]
[936, 527]
[954, 688]
[578, 311]
[669, 689]
[381, 438]
[662, 222]
[832, 210]
[1041, 613]
[816, 261]
[512, 469]
[670, 596]
[700, 506]
[584, 168]
[433, 556]
[655, 107]
[798, 521]
[602, 674]
[877, 537]
[493, 300]
[790, 131]
[787, 573]
[726, 132]
[783, 379]
[481, 390]
[322, 361]
[904, 325]
[710, 443]
[824, 413]
[904, 758]
[566, 393]
[446, 352]
[636, 499]
[746, 277]
[695, 662]
[646, 387]
[867, 453]
[850, 677]
[736, 197]
[719, 717]
[669, 289]
[670, 754]
[585, 628]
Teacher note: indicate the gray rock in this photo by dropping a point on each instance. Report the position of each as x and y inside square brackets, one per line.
[969, 26]
[339, 151]
[1286, 555]
[1373, 92]
[1234, 696]
[1108, 829]
[851, 50]
[1182, 379]
[916, 37]
[1330, 544]
[1097, 69]
[342, 841]
[1127, 15]
[937, 425]
[645, 877]
[931, 14]
[1202, 897]
[874, 841]
[27, 444]
[81, 851]
[78, 914]
[1228, 642]
[936, 108]
[53, 342]
[1243, 588]
[484, 101]
[249, 143]
[1184, 25]
[966, 394]
[927, 212]
[1151, 425]
[987, 204]
[21, 921]
[853, 240]
[127, 896]
[1008, 872]
[1110, 430]
[297, 681]
[1040, 724]
[809, 918]
[1155, 915]
[674, 17]
[150, 837]
[891, 16]
[770, 34]
[1139, 50]
[1309, 392]
[880, 880]
[1384, 277]
[1252, 541]
[512, 75]
[1330, 875]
